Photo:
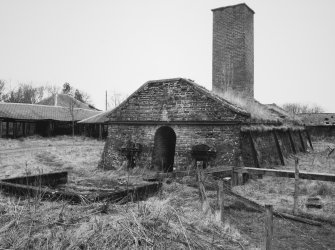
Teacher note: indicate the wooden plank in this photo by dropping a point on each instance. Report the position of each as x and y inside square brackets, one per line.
[219, 172]
[278, 214]
[292, 142]
[302, 142]
[134, 193]
[49, 179]
[280, 153]
[43, 193]
[291, 174]
[254, 151]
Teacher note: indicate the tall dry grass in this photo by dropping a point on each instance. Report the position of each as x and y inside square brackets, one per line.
[171, 220]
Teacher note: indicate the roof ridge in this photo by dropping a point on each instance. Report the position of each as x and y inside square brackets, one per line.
[93, 116]
[43, 105]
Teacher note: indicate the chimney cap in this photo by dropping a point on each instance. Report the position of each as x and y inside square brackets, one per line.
[233, 6]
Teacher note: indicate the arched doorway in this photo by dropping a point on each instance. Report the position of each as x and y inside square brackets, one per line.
[164, 149]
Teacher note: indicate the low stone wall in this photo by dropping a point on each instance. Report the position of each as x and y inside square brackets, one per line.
[260, 149]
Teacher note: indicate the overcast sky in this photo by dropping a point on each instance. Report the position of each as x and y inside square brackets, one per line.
[117, 45]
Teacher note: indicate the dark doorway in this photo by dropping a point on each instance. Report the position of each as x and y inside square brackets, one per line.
[164, 149]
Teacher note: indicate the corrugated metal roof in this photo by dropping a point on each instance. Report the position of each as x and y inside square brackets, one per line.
[23, 111]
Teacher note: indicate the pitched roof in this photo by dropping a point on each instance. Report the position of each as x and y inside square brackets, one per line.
[318, 119]
[98, 118]
[63, 100]
[23, 111]
[201, 89]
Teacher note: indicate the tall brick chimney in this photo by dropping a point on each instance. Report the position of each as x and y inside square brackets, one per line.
[233, 50]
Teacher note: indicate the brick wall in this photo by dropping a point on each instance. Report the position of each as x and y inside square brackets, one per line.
[223, 139]
[233, 50]
[174, 100]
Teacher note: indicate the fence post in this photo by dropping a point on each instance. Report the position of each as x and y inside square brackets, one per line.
[220, 199]
[202, 191]
[268, 226]
[296, 185]
[233, 179]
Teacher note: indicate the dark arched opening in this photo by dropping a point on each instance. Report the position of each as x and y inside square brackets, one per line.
[164, 149]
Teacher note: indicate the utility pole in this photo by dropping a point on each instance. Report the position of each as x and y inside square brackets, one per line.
[106, 100]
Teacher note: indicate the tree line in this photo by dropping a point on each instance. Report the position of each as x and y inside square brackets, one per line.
[27, 93]
[297, 108]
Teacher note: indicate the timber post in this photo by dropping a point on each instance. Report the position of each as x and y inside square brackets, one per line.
[280, 153]
[309, 139]
[23, 129]
[292, 142]
[268, 226]
[254, 151]
[221, 199]
[302, 141]
[14, 129]
[296, 185]
[100, 132]
[7, 128]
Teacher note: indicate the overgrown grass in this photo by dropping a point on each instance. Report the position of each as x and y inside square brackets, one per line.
[259, 112]
[172, 220]
[256, 110]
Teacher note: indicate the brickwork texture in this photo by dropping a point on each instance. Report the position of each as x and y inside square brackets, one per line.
[233, 50]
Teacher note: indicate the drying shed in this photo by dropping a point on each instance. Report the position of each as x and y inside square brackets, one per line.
[64, 100]
[319, 124]
[96, 126]
[21, 119]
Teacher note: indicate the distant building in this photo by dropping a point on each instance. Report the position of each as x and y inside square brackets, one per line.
[53, 118]
[319, 124]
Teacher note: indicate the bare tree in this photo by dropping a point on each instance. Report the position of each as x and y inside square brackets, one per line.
[297, 108]
[115, 99]
[2, 89]
[25, 93]
[52, 89]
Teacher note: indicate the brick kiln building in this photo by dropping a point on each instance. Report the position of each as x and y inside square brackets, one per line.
[166, 124]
